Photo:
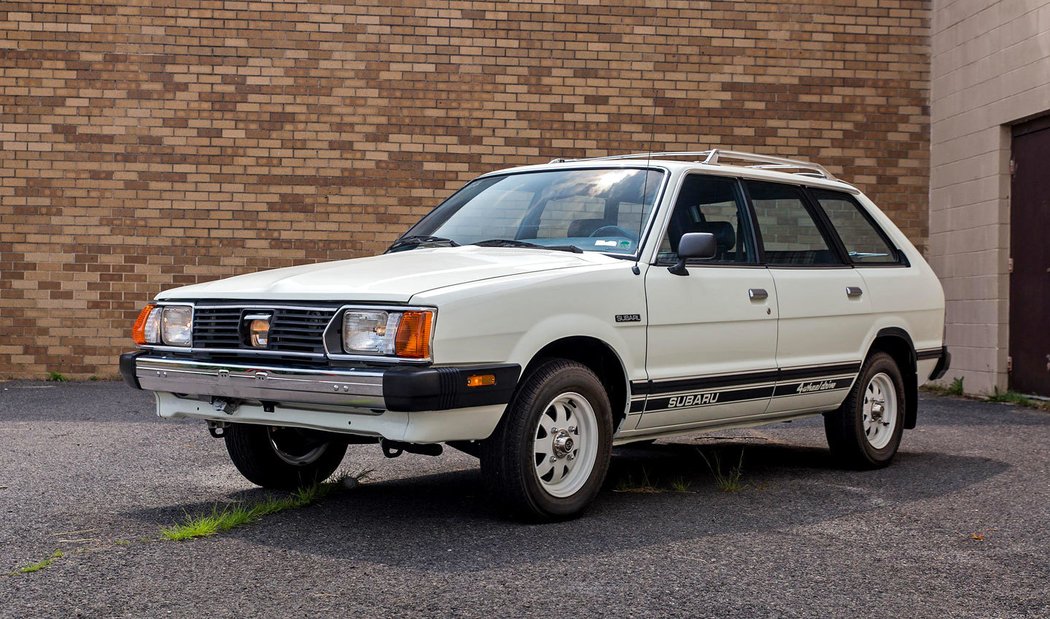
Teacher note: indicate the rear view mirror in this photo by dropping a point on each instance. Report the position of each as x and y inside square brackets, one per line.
[696, 246]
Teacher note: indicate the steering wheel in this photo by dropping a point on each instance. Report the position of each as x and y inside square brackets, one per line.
[604, 231]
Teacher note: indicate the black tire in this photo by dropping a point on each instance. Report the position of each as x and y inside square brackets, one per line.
[254, 452]
[510, 463]
[845, 427]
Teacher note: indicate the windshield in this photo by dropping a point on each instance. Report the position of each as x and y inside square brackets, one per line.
[602, 210]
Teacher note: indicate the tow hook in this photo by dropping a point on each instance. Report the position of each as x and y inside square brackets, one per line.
[393, 449]
[224, 405]
[217, 428]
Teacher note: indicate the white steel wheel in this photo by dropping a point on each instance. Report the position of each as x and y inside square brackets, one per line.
[283, 458]
[865, 431]
[880, 414]
[293, 447]
[566, 444]
[548, 456]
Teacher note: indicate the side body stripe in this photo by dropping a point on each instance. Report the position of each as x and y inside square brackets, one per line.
[650, 396]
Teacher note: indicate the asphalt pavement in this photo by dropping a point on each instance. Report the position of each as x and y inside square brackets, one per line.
[959, 526]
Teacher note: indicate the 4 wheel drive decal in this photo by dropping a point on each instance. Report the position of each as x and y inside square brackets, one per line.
[814, 386]
[700, 392]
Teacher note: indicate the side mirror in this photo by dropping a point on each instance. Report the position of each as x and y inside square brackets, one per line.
[694, 245]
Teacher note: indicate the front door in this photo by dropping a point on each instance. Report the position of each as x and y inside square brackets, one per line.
[1030, 278]
[712, 334]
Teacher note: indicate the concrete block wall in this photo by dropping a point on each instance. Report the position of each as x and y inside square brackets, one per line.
[145, 145]
[990, 70]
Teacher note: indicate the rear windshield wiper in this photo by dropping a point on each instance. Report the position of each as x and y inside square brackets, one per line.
[526, 244]
[421, 241]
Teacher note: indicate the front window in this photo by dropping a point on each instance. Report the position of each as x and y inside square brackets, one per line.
[714, 205]
[600, 210]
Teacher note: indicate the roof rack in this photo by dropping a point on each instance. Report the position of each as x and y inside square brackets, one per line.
[713, 156]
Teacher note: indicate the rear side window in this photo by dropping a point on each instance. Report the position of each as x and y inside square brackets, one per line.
[863, 241]
[788, 231]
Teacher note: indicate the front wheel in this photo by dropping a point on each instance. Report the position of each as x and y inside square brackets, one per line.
[283, 458]
[549, 455]
[866, 430]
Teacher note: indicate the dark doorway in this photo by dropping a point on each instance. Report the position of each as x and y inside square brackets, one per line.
[1030, 271]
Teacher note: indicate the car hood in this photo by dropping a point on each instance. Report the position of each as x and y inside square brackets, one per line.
[392, 278]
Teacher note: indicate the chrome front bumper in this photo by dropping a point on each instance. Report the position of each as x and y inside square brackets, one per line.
[350, 388]
[363, 390]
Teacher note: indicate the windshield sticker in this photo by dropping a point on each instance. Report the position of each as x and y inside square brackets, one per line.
[601, 243]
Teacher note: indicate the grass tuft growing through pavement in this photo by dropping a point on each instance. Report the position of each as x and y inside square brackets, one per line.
[1010, 397]
[727, 481]
[40, 565]
[239, 514]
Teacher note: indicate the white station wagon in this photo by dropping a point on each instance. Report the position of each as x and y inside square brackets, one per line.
[543, 314]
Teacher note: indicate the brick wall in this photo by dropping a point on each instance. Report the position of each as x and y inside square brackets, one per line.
[157, 143]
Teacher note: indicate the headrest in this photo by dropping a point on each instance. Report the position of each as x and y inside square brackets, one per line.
[725, 236]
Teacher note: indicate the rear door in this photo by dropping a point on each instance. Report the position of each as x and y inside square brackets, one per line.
[824, 308]
[712, 334]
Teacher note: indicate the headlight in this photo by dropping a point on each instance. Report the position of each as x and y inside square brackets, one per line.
[369, 333]
[387, 333]
[177, 325]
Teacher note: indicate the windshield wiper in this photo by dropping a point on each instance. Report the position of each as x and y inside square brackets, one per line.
[526, 244]
[421, 241]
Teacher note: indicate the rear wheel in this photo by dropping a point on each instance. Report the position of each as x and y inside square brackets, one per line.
[283, 458]
[865, 432]
[549, 455]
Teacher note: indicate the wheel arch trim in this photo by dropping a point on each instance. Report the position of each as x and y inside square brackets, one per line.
[894, 340]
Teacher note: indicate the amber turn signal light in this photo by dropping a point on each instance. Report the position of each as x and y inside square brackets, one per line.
[413, 335]
[138, 332]
[481, 380]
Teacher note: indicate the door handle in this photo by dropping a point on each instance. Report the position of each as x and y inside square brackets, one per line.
[853, 292]
[757, 294]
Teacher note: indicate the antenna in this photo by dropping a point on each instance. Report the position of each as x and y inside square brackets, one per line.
[648, 160]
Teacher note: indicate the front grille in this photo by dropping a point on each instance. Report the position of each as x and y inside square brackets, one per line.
[293, 330]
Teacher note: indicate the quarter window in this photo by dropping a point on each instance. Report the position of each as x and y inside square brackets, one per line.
[864, 243]
[788, 231]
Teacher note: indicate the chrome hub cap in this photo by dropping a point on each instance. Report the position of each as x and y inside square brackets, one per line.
[565, 444]
[880, 411]
[562, 446]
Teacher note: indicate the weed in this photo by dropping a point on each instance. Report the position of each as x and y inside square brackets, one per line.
[239, 514]
[728, 481]
[1009, 397]
[642, 486]
[56, 377]
[122, 542]
[93, 378]
[41, 565]
[956, 388]
[680, 485]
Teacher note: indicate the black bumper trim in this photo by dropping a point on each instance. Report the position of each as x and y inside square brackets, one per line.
[127, 368]
[944, 361]
[408, 389]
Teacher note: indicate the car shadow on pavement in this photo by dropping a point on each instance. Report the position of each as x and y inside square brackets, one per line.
[654, 495]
